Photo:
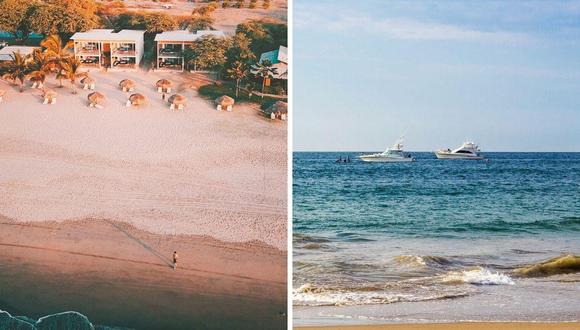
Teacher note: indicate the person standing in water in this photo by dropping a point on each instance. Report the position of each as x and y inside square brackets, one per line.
[174, 259]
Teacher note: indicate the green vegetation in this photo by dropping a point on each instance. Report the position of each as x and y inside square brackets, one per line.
[53, 57]
[213, 91]
[70, 68]
[207, 53]
[266, 4]
[63, 17]
[17, 69]
[150, 22]
[201, 17]
[238, 71]
[265, 71]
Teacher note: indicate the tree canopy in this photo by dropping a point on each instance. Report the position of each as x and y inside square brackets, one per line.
[264, 36]
[208, 53]
[150, 22]
[64, 17]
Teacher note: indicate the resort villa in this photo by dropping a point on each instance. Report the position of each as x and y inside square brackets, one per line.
[171, 46]
[7, 52]
[279, 60]
[100, 48]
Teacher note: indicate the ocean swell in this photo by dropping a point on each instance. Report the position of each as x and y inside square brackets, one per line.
[565, 264]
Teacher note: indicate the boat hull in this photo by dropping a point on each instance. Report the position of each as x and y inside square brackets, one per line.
[386, 159]
[449, 155]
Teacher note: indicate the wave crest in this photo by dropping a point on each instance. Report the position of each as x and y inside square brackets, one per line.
[477, 276]
[565, 264]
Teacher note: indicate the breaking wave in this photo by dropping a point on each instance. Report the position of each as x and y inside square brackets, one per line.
[62, 321]
[565, 264]
[477, 276]
[310, 295]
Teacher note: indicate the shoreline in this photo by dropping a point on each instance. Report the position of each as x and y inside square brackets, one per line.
[118, 275]
[456, 326]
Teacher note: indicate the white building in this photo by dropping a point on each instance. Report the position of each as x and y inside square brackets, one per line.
[100, 48]
[171, 46]
[7, 52]
[279, 60]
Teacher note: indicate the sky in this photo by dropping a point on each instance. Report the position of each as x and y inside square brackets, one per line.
[505, 74]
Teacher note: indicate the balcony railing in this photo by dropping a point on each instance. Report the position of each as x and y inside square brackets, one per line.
[173, 52]
[124, 52]
[88, 51]
[124, 66]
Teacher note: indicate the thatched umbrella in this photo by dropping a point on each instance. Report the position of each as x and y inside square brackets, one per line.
[49, 96]
[127, 85]
[96, 99]
[37, 81]
[278, 110]
[224, 102]
[88, 83]
[2, 93]
[177, 101]
[163, 86]
[136, 99]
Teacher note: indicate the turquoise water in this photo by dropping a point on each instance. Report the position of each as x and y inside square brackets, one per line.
[432, 230]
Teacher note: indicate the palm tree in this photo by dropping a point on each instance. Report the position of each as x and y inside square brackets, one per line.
[17, 69]
[238, 71]
[57, 53]
[39, 66]
[54, 48]
[264, 70]
[70, 69]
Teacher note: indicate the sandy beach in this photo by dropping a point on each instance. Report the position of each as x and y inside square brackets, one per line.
[198, 171]
[459, 326]
[94, 201]
[118, 275]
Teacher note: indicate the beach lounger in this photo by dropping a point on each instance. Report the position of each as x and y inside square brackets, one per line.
[229, 108]
[219, 108]
[128, 104]
[272, 116]
[53, 101]
[180, 107]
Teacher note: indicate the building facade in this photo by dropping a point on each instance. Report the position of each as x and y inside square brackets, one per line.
[171, 47]
[105, 48]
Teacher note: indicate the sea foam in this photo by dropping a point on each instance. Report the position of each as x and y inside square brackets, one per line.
[477, 276]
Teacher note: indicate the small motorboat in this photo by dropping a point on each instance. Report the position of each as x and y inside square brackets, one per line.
[468, 150]
[393, 154]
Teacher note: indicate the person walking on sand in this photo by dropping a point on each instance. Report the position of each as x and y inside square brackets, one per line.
[174, 259]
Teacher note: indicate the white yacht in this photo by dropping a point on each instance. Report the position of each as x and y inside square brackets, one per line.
[392, 154]
[468, 150]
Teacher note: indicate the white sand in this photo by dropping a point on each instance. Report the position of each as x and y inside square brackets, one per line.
[198, 171]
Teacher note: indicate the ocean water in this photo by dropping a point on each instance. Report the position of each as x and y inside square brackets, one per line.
[437, 233]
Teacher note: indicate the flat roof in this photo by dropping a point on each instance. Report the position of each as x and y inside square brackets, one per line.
[187, 36]
[6, 52]
[109, 34]
[275, 56]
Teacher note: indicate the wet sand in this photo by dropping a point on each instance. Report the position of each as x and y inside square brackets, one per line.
[459, 326]
[118, 275]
